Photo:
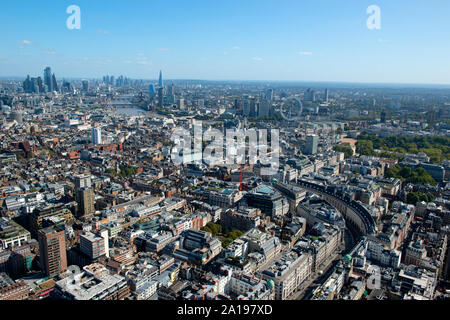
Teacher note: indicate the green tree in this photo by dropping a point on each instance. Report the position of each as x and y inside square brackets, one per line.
[365, 147]
[226, 242]
[348, 151]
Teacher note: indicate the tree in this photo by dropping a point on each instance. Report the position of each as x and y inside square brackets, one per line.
[207, 229]
[415, 197]
[365, 147]
[406, 174]
[214, 228]
[412, 198]
[348, 151]
[437, 148]
[226, 242]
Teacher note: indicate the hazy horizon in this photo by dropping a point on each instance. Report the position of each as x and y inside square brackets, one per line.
[264, 40]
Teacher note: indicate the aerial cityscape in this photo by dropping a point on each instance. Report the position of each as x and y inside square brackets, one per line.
[130, 184]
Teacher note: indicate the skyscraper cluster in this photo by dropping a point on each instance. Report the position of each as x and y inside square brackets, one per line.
[121, 81]
[37, 85]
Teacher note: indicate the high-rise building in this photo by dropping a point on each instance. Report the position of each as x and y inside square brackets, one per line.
[92, 245]
[161, 97]
[269, 94]
[151, 90]
[264, 108]
[254, 107]
[86, 201]
[84, 195]
[52, 250]
[82, 181]
[54, 83]
[326, 96]
[312, 142]
[48, 78]
[96, 135]
[160, 82]
[85, 85]
[310, 95]
[246, 108]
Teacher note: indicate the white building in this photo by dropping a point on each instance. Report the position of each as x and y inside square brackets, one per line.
[96, 134]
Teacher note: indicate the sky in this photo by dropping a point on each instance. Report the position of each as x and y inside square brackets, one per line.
[282, 40]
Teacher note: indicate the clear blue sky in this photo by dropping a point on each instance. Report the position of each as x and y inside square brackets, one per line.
[306, 40]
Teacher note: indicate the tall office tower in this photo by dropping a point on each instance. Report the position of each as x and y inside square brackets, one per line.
[37, 86]
[48, 78]
[112, 81]
[32, 85]
[312, 141]
[54, 83]
[160, 82]
[96, 135]
[40, 84]
[84, 195]
[254, 106]
[161, 97]
[27, 85]
[82, 181]
[86, 201]
[264, 109]
[85, 85]
[245, 108]
[310, 95]
[151, 90]
[326, 96]
[269, 94]
[67, 86]
[52, 250]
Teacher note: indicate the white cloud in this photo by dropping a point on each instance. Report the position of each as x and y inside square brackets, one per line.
[105, 32]
[141, 59]
[163, 49]
[236, 48]
[50, 52]
[257, 59]
[25, 42]
[304, 53]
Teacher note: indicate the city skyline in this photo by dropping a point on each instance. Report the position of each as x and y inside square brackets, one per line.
[262, 41]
